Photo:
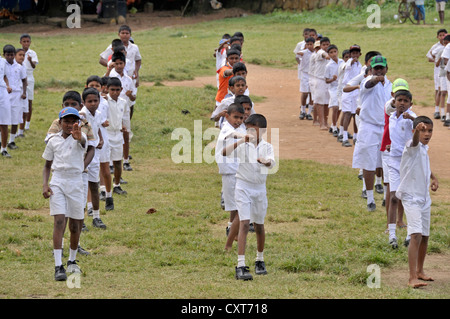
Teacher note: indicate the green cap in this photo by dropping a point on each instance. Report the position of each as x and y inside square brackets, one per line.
[400, 84]
[378, 60]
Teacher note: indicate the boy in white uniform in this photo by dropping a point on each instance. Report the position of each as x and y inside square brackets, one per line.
[31, 60]
[431, 55]
[255, 156]
[312, 80]
[117, 125]
[5, 108]
[375, 92]
[400, 131]
[17, 78]
[331, 78]
[303, 69]
[64, 155]
[416, 179]
[229, 133]
[442, 57]
[322, 96]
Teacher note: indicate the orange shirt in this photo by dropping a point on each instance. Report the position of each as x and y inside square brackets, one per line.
[223, 83]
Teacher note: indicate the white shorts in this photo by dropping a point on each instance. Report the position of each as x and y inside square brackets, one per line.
[228, 189]
[443, 83]
[440, 6]
[448, 95]
[349, 102]
[385, 160]
[304, 83]
[418, 216]
[332, 92]
[5, 107]
[251, 201]
[104, 153]
[357, 121]
[94, 168]
[30, 90]
[115, 146]
[16, 108]
[367, 154]
[68, 195]
[437, 84]
[394, 172]
[312, 87]
[321, 95]
[25, 105]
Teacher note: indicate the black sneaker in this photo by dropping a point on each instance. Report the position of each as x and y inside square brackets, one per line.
[83, 251]
[109, 204]
[243, 273]
[90, 212]
[251, 228]
[309, 117]
[379, 188]
[227, 230]
[60, 273]
[340, 138]
[119, 191]
[302, 115]
[260, 268]
[364, 194]
[393, 242]
[127, 167]
[335, 133]
[97, 222]
[371, 207]
[72, 267]
[6, 154]
[84, 228]
[443, 118]
[122, 181]
[406, 242]
[102, 195]
[437, 115]
[447, 122]
[12, 146]
[111, 169]
[346, 143]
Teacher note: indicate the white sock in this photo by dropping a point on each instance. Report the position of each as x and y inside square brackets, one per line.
[3, 149]
[377, 180]
[384, 193]
[114, 185]
[229, 224]
[447, 116]
[12, 137]
[345, 136]
[96, 213]
[442, 111]
[72, 254]
[126, 160]
[259, 256]
[57, 254]
[102, 188]
[20, 131]
[241, 261]
[391, 228]
[370, 196]
[303, 108]
[27, 125]
[355, 135]
[89, 205]
[341, 130]
[436, 108]
[364, 184]
[108, 194]
[310, 109]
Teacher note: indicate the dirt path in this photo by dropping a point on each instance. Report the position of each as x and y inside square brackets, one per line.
[300, 139]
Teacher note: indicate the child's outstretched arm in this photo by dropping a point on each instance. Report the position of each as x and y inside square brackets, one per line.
[76, 134]
[46, 190]
[230, 148]
[416, 135]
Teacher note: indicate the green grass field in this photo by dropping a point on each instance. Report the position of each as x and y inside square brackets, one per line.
[320, 239]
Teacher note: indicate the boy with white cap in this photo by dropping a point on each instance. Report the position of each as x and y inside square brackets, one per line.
[64, 155]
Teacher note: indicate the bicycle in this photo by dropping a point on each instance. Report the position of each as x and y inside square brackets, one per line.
[408, 9]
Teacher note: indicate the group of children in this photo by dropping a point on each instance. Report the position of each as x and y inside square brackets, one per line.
[390, 139]
[242, 155]
[87, 144]
[16, 92]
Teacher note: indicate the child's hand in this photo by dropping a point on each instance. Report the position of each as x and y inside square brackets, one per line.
[105, 124]
[8, 88]
[421, 127]
[29, 58]
[407, 116]
[263, 161]
[47, 191]
[23, 96]
[100, 144]
[76, 132]
[334, 77]
[388, 147]
[111, 66]
[434, 185]
[124, 129]
[249, 138]
[129, 93]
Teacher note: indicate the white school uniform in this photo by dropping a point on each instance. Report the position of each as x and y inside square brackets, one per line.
[5, 104]
[133, 55]
[66, 183]
[250, 194]
[299, 47]
[93, 169]
[341, 72]
[103, 110]
[30, 72]
[367, 154]
[431, 54]
[15, 73]
[330, 71]
[228, 165]
[127, 85]
[312, 74]
[116, 116]
[442, 73]
[303, 69]
[321, 87]
[400, 131]
[414, 186]
[349, 100]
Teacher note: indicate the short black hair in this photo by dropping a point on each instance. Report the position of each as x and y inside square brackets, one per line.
[239, 99]
[442, 30]
[116, 43]
[332, 46]
[124, 27]
[239, 66]
[235, 38]
[234, 107]
[105, 80]
[89, 91]
[403, 92]
[313, 30]
[94, 78]
[72, 95]
[118, 56]
[257, 120]
[447, 37]
[422, 119]
[233, 52]
[25, 35]
[306, 30]
[370, 55]
[310, 39]
[238, 78]
[113, 81]
[324, 39]
[9, 48]
[345, 52]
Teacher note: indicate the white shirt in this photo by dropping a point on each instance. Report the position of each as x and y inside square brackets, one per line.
[299, 47]
[133, 55]
[15, 74]
[400, 131]
[250, 170]
[312, 64]
[341, 72]
[351, 70]
[373, 101]
[415, 173]
[227, 165]
[116, 113]
[27, 64]
[94, 121]
[304, 63]
[2, 72]
[67, 154]
[330, 71]
[103, 110]
[221, 58]
[446, 52]
[321, 64]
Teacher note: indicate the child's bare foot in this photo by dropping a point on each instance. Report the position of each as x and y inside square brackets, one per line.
[424, 277]
[415, 283]
[401, 224]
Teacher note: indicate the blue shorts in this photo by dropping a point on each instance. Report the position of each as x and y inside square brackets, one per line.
[421, 8]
